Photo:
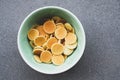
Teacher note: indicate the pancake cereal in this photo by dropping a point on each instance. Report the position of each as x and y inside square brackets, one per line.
[53, 41]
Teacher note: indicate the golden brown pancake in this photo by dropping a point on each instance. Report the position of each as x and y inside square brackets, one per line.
[41, 30]
[58, 25]
[58, 19]
[69, 27]
[71, 46]
[67, 51]
[57, 49]
[49, 27]
[39, 41]
[51, 41]
[38, 50]
[58, 60]
[37, 58]
[60, 33]
[32, 34]
[70, 38]
[32, 44]
[46, 56]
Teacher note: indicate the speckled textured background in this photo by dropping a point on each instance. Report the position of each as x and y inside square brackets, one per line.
[101, 21]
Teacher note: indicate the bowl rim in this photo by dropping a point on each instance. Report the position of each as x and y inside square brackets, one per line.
[42, 8]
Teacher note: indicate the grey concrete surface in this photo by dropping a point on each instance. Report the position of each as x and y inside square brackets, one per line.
[101, 21]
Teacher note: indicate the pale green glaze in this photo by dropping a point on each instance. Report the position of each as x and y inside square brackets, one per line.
[36, 17]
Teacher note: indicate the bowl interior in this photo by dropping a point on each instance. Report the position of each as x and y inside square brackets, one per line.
[37, 17]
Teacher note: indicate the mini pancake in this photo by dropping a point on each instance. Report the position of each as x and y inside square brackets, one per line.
[58, 19]
[71, 46]
[41, 30]
[58, 25]
[57, 49]
[39, 41]
[61, 21]
[67, 51]
[38, 50]
[32, 44]
[70, 38]
[37, 58]
[46, 56]
[60, 33]
[32, 34]
[51, 41]
[69, 27]
[58, 60]
[49, 27]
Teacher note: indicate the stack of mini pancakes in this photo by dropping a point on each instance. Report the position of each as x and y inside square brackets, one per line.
[53, 41]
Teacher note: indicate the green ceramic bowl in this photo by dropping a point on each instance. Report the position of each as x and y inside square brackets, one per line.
[36, 17]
